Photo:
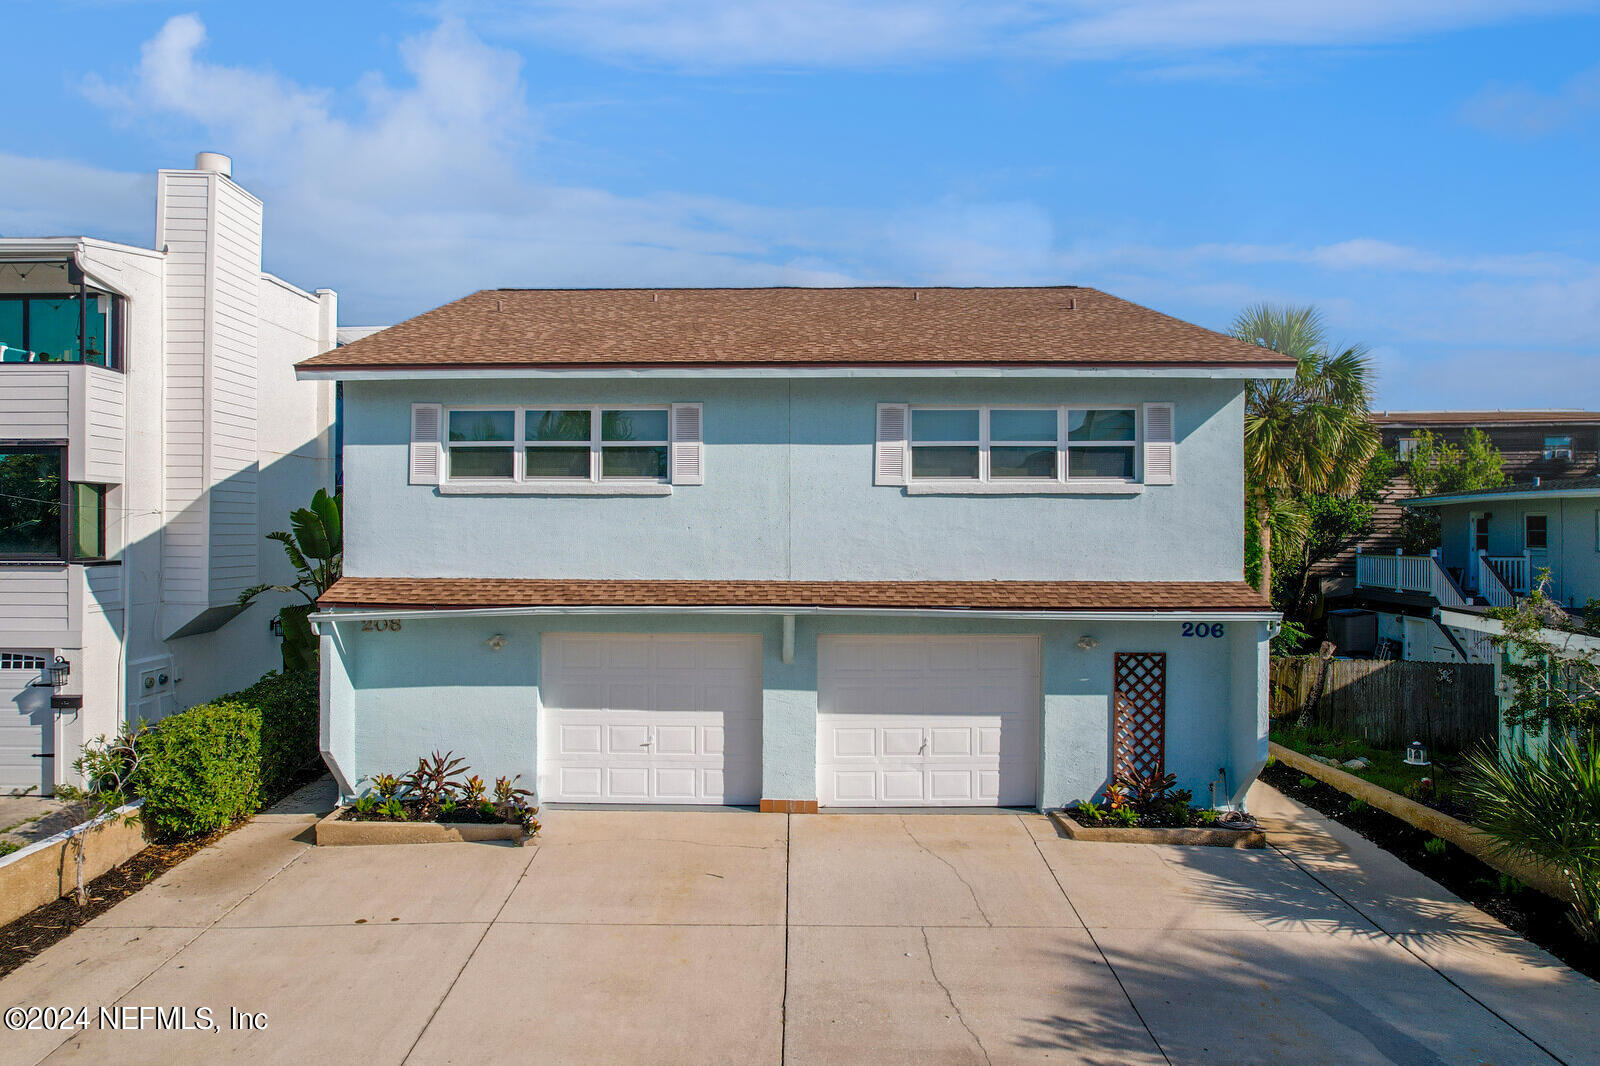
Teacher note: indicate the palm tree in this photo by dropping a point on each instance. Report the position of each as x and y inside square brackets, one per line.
[1308, 433]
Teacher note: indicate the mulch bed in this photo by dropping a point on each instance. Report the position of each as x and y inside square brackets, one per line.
[1529, 913]
[33, 932]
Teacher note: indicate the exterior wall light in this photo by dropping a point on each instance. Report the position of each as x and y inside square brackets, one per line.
[55, 675]
[1088, 643]
[496, 642]
[1416, 754]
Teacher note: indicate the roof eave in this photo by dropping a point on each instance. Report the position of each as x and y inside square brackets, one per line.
[327, 371]
[347, 613]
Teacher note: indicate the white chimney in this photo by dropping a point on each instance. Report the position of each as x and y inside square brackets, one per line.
[214, 161]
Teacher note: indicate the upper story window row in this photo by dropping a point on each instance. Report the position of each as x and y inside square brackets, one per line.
[926, 448]
[535, 444]
[60, 328]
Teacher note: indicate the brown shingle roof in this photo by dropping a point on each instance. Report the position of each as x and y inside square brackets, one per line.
[1483, 418]
[448, 592]
[555, 328]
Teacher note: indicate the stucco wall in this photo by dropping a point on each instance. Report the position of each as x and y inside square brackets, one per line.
[1574, 538]
[788, 493]
[437, 683]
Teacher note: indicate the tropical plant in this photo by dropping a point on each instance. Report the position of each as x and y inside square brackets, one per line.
[1545, 807]
[434, 779]
[106, 766]
[1552, 663]
[1307, 434]
[316, 550]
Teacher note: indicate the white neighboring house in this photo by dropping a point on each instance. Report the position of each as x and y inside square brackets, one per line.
[152, 432]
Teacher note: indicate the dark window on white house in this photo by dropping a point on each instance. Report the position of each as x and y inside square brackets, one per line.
[42, 517]
[1536, 532]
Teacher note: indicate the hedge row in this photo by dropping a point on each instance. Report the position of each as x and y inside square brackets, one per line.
[210, 765]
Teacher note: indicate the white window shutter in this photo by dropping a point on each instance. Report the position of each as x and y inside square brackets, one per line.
[1160, 447]
[893, 454]
[688, 449]
[426, 450]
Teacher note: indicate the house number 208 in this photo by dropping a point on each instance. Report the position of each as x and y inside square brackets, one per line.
[381, 625]
[1202, 629]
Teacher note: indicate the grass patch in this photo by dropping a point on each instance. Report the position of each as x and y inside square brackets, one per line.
[8, 846]
[1387, 769]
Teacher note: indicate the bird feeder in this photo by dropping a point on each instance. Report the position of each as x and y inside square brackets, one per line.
[1416, 754]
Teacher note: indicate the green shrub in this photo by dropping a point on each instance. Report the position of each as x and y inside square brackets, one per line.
[200, 770]
[289, 727]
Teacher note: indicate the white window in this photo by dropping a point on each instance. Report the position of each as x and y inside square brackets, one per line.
[1558, 447]
[20, 660]
[1025, 445]
[554, 446]
[1408, 447]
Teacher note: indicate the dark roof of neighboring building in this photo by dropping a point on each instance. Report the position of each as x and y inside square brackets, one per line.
[457, 592]
[1587, 486]
[1422, 419]
[596, 328]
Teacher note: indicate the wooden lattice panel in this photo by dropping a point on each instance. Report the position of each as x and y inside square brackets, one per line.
[1139, 724]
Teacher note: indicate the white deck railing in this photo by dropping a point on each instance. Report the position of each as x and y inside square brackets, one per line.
[1408, 573]
[1491, 586]
[1514, 571]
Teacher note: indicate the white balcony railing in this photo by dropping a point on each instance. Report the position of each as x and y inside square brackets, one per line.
[1408, 573]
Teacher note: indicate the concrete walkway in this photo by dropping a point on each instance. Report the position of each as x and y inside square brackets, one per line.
[714, 937]
[26, 819]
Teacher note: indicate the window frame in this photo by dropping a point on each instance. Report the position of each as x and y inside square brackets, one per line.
[113, 331]
[1552, 452]
[519, 444]
[1535, 514]
[63, 505]
[1063, 443]
[1405, 447]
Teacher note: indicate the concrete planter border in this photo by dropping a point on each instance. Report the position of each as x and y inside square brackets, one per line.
[46, 870]
[1210, 838]
[333, 831]
[1469, 838]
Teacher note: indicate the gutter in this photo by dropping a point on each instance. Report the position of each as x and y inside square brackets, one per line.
[361, 614]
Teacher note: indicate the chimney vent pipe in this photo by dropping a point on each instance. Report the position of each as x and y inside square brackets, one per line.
[214, 161]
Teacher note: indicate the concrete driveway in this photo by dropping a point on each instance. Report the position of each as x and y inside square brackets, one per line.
[710, 937]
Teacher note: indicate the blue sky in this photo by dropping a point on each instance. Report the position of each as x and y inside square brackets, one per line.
[1427, 172]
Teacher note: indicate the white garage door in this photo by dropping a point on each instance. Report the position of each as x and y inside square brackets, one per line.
[928, 721]
[650, 719]
[26, 722]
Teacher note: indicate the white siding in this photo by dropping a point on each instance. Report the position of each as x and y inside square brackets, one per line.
[104, 442]
[212, 230]
[184, 202]
[34, 599]
[34, 401]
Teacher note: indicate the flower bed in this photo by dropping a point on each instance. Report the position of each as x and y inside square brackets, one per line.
[1151, 810]
[438, 802]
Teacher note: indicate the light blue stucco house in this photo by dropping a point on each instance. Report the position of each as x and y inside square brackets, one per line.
[797, 547]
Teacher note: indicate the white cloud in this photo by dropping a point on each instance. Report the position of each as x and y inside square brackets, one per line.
[404, 195]
[1519, 111]
[744, 33]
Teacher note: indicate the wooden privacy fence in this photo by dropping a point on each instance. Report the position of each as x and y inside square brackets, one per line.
[1390, 702]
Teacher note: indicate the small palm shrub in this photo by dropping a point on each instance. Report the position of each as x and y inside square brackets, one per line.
[1547, 807]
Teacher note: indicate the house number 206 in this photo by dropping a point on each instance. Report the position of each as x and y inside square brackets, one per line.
[381, 625]
[1202, 629]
